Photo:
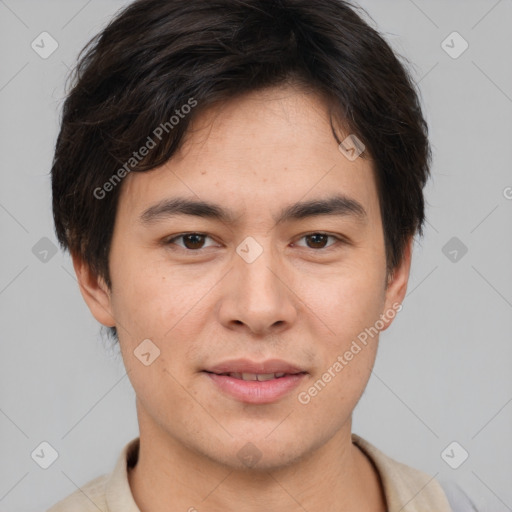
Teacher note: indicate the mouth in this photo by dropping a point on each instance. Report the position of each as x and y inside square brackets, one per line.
[261, 377]
[255, 382]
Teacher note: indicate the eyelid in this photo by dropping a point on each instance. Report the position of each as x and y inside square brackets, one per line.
[338, 239]
[172, 240]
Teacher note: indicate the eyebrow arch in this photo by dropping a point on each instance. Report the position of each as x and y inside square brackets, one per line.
[182, 206]
[335, 205]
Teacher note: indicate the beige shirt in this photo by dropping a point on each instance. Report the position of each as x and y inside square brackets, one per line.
[406, 489]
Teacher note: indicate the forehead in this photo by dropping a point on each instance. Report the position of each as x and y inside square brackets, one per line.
[264, 149]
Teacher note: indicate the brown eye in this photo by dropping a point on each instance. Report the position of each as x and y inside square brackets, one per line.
[190, 241]
[317, 240]
[193, 241]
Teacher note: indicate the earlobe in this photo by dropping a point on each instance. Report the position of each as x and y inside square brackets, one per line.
[94, 291]
[397, 286]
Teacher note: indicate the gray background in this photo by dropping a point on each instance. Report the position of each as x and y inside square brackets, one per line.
[443, 370]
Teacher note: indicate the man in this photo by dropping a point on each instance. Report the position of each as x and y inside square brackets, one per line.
[239, 184]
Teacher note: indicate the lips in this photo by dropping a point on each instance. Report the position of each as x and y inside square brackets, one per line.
[254, 376]
[255, 382]
[246, 366]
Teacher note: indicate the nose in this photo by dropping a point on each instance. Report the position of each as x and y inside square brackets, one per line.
[255, 296]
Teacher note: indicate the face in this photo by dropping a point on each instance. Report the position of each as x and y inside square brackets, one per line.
[280, 272]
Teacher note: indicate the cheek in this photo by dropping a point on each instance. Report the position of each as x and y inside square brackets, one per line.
[345, 301]
[350, 308]
[144, 296]
[167, 305]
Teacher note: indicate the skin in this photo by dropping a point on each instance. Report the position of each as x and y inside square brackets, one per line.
[298, 301]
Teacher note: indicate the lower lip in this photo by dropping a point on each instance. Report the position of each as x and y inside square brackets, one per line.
[254, 391]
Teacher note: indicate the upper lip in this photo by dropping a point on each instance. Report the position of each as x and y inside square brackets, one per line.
[258, 367]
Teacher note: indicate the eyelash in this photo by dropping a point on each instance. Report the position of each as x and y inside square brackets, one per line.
[171, 241]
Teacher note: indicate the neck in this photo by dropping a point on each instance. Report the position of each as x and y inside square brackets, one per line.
[171, 477]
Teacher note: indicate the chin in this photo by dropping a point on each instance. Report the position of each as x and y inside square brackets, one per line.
[262, 455]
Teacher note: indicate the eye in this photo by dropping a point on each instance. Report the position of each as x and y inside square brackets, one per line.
[318, 240]
[191, 241]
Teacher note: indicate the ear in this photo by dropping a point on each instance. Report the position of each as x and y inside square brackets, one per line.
[397, 286]
[94, 291]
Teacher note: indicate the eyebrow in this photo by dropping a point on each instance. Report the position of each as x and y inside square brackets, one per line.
[340, 205]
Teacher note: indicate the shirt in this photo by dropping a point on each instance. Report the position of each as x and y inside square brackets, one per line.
[406, 489]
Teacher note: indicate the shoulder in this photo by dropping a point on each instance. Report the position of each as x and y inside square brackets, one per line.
[406, 488]
[88, 498]
[107, 492]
